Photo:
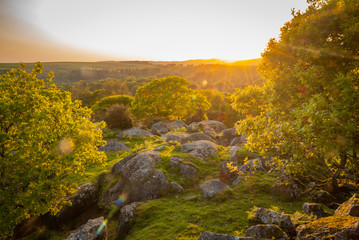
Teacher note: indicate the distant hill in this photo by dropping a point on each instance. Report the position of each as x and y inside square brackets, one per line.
[214, 73]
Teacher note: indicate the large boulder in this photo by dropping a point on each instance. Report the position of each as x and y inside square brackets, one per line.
[212, 188]
[197, 137]
[88, 231]
[176, 124]
[267, 216]
[86, 195]
[216, 236]
[349, 208]
[200, 149]
[314, 209]
[239, 141]
[138, 179]
[226, 137]
[206, 126]
[134, 132]
[266, 231]
[334, 227]
[114, 145]
[159, 128]
[169, 137]
[125, 222]
[175, 161]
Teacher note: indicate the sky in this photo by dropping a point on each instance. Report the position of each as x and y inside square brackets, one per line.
[159, 30]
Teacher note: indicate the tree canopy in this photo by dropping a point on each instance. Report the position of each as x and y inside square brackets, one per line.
[168, 97]
[308, 109]
[44, 138]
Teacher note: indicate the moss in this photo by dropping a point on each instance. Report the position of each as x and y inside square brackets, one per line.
[331, 224]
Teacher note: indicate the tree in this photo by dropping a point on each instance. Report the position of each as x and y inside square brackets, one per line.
[44, 138]
[308, 109]
[168, 97]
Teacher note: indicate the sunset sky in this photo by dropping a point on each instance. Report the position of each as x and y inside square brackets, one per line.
[94, 30]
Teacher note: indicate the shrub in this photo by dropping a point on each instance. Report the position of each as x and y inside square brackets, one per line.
[118, 116]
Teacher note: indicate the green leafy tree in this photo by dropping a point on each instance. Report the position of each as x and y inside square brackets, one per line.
[168, 97]
[308, 109]
[44, 138]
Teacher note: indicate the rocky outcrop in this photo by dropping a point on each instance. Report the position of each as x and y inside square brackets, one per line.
[212, 188]
[88, 231]
[349, 208]
[159, 128]
[197, 137]
[200, 149]
[314, 209]
[334, 227]
[176, 124]
[267, 216]
[175, 161]
[226, 137]
[134, 132]
[138, 179]
[268, 231]
[239, 141]
[206, 127]
[216, 236]
[125, 222]
[114, 145]
[168, 137]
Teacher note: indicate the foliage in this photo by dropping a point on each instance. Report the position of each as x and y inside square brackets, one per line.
[118, 116]
[44, 138]
[101, 106]
[308, 109]
[168, 97]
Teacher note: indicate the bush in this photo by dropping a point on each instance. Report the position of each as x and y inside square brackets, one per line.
[106, 102]
[118, 116]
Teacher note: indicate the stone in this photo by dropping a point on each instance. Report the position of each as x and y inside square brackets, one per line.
[197, 137]
[138, 179]
[322, 196]
[239, 141]
[209, 125]
[226, 137]
[216, 236]
[159, 128]
[212, 188]
[227, 175]
[349, 208]
[176, 187]
[175, 161]
[125, 222]
[190, 198]
[114, 145]
[266, 231]
[88, 231]
[285, 191]
[188, 171]
[134, 132]
[201, 149]
[267, 216]
[333, 227]
[176, 124]
[314, 209]
[169, 137]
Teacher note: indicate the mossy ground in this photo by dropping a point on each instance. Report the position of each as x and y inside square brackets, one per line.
[174, 217]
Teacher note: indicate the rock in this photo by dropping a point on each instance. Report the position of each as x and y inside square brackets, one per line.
[227, 136]
[322, 196]
[190, 198]
[286, 191]
[176, 124]
[333, 227]
[176, 187]
[267, 216]
[257, 164]
[138, 179]
[210, 125]
[200, 149]
[110, 196]
[212, 188]
[175, 161]
[86, 195]
[227, 175]
[168, 137]
[88, 231]
[268, 231]
[349, 208]
[239, 141]
[125, 222]
[159, 128]
[134, 132]
[216, 236]
[197, 137]
[188, 171]
[315, 209]
[114, 145]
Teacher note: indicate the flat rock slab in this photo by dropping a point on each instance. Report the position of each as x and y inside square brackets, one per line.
[201, 149]
[212, 187]
[134, 132]
[114, 145]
